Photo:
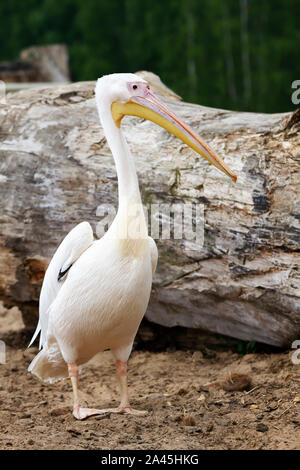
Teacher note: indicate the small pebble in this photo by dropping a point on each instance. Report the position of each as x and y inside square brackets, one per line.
[198, 430]
[59, 411]
[74, 432]
[261, 427]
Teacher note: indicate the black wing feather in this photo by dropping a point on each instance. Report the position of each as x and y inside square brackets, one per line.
[62, 273]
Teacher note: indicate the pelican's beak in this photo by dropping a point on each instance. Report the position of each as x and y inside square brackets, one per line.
[149, 107]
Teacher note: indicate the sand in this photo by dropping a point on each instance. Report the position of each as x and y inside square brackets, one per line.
[190, 396]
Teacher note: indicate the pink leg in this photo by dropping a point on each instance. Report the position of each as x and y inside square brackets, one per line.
[78, 411]
[124, 407]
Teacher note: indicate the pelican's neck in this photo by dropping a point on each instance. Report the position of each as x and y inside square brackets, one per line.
[130, 221]
[128, 185]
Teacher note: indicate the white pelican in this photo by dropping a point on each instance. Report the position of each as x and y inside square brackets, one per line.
[95, 293]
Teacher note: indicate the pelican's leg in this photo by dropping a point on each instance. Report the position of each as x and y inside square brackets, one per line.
[124, 406]
[78, 411]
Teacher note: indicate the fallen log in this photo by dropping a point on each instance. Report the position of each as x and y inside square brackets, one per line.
[57, 170]
[38, 64]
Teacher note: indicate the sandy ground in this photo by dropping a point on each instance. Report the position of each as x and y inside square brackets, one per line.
[188, 396]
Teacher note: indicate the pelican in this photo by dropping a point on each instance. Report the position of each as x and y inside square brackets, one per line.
[95, 292]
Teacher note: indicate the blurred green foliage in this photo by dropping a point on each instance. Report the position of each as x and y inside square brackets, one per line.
[238, 54]
[246, 347]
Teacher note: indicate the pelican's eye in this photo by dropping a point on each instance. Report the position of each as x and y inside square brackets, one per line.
[138, 89]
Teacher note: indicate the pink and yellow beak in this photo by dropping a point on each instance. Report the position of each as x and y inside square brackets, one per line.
[150, 108]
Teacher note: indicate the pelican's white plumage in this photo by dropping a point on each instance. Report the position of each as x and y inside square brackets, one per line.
[95, 293]
[73, 245]
[99, 305]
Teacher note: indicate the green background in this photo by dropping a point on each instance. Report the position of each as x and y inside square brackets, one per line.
[237, 54]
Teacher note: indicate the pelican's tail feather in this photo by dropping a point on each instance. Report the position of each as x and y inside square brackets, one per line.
[38, 329]
[49, 365]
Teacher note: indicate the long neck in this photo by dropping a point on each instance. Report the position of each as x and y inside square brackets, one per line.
[130, 213]
[128, 185]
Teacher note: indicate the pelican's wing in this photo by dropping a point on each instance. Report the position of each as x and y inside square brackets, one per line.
[70, 249]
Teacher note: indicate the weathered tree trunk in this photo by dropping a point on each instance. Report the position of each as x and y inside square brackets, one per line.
[56, 170]
[52, 62]
[38, 64]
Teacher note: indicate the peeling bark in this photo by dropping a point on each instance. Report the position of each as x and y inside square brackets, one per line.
[56, 169]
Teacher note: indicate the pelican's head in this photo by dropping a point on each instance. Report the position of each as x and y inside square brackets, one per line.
[128, 94]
